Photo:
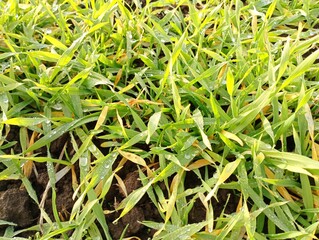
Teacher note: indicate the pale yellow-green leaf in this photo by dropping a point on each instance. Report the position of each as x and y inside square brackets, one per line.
[230, 81]
[56, 42]
[226, 173]
[25, 122]
[232, 137]
[101, 118]
[133, 158]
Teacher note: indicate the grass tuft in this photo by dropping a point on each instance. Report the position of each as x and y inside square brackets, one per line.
[213, 103]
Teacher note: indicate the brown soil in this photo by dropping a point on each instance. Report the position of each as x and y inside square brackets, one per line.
[16, 205]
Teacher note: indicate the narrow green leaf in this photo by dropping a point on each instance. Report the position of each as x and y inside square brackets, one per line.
[213, 55]
[152, 125]
[55, 42]
[28, 186]
[10, 87]
[182, 233]
[293, 159]
[51, 136]
[198, 118]
[45, 56]
[137, 138]
[97, 27]
[168, 71]
[300, 69]
[69, 53]
[128, 203]
[284, 59]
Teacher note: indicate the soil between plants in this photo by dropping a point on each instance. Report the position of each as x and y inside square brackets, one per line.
[16, 205]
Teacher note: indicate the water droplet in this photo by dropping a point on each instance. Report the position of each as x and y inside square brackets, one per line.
[47, 31]
[83, 161]
[4, 116]
[57, 106]
[94, 150]
[52, 133]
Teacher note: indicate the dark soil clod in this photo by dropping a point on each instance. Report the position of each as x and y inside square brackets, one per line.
[17, 207]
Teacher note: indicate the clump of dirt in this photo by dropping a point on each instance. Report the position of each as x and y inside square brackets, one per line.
[131, 183]
[17, 207]
[144, 210]
[64, 192]
[225, 202]
[132, 219]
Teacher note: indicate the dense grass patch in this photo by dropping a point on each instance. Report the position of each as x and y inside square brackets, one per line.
[198, 98]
